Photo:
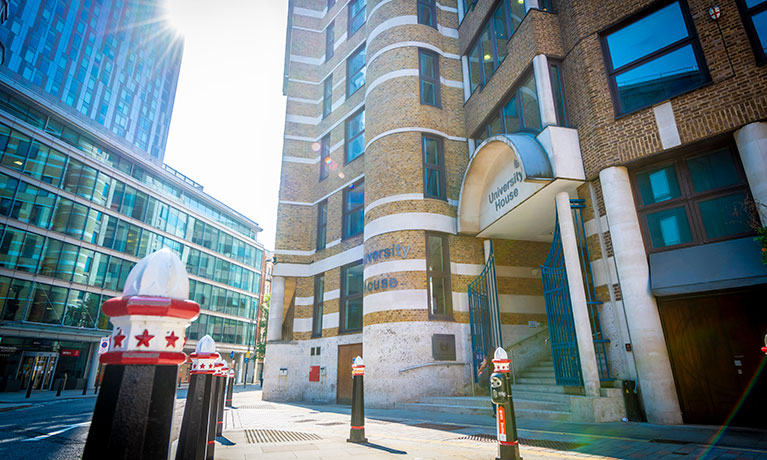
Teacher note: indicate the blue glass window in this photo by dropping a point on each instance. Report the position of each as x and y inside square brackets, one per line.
[428, 73]
[433, 168]
[355, 71]
[354, 209]
[355, 135]
[519, 114]
[325, 157]
[351, 297]
[427, 13]
[357, 15]
[654, 57]
[327, 96]
[754, 14]
[330, 37]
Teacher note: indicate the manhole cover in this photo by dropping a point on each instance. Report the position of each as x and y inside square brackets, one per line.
[545, 443]
[267, 436]
[256, 406]
[437, 426]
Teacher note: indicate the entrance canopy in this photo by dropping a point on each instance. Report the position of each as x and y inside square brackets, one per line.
[509, 187]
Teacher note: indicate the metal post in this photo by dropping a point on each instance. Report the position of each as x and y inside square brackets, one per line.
[96, 383]
[62, 385]
[223, 376]
[193, 438]
[500, 384]
[31, 378]
[230, 390]
[210, 451]
[134, 410]
[357, 430]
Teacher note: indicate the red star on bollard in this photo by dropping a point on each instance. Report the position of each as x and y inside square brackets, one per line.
[171, 339]
[118, 339]
[144, 339]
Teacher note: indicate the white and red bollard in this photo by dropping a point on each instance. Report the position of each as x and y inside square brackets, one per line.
[230, 389]
[193, 439]
[134, 410]
[357, 430]
[223, 375]
[500, 393]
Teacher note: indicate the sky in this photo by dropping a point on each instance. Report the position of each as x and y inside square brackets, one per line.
[229, 113]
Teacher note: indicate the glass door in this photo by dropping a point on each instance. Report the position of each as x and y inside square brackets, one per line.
[38, 366]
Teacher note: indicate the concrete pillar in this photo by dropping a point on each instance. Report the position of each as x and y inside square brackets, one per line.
[656, 379]
[240, 366]
[93, 365]
[530, 4]
[544, 91]
[752, 145]
[588, 357]
[466, 78]
[274, 327]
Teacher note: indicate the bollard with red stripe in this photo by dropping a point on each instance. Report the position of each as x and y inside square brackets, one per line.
[500, 393]
[193, 440]
[213, 419]
[230, 389]
[223, 375]
[357, 431]
[134, 410]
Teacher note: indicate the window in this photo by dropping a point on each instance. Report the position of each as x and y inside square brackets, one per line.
[354, 212]
[351, 297]
[433, 167]
[331, 3]
[355, 71]
[322, 224]
[355, 135]
[324, 157]
[438, 276]
[330, 38]
[319, 297]
[520, 113]
[356, 15]
[555, 70]
[491, 47]
[428, 76]
[327, 96]
[754, 13]
[427, 13]
[653, 57]
[695, 199]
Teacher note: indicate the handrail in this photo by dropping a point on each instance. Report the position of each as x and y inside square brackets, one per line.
[510, 350]
[436, 363]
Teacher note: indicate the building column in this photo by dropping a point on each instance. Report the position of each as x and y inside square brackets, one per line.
[583, 335]
[93, 366]
[274, 327]
[544, 91]
[656, 379]
[530, 4]
[240, 366]
[752, 145]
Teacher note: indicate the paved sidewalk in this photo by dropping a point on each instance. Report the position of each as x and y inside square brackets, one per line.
[256, 429]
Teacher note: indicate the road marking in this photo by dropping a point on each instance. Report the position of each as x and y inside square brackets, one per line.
[70, 427]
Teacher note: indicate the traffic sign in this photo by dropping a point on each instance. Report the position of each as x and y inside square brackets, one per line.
[104, 346]
[231, 354]
[246, 359]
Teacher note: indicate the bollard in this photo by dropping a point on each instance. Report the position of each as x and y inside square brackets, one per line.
[357, 430]
[31, 381]
[134, 409]
[96, 383]
[500, 393]
[230, 390]
[193, 439]
[62, 385]
[213, 417]
[223, 375]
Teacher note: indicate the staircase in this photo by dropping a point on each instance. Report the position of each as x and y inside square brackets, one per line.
[535, 393]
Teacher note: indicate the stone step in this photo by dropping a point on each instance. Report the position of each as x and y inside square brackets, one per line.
[522, 409]
[550, 388]
[452, 409]
[536, 380]
[537, 374]
[542, 396]
[457, 400]
[540, 368]
[543, 415]
[529, 401]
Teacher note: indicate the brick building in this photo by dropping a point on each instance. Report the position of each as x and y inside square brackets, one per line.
[577, 181]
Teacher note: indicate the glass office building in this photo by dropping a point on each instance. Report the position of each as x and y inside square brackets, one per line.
[79, 206]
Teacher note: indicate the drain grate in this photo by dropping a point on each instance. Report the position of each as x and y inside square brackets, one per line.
[268, 436]
[545, 443]
[437, 426]
[256, 406]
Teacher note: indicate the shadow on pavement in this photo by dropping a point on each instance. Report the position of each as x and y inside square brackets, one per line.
[383, 448]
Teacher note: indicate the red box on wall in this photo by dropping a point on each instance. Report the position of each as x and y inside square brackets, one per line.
[314, 374]
[67, 352]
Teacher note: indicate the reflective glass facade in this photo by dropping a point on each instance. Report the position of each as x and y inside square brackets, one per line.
[109, 63]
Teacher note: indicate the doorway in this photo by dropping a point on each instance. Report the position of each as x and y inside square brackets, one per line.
[346, 354]
[38, 366]
[714, 342]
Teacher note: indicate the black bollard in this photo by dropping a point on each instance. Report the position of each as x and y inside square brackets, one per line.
[134, 410]
[62, 385]
[211, 447]
[230, 390]
[222, 375]
[500, 393]
[98, 377]
[193, 439]
[357, 430]
[31, 381]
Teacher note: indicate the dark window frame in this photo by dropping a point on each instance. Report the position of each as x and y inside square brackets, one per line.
[344, 298]
[348, 73]
[327, 97]
[433, 80]
[344, 212]
[331, 3]
[330, 40]
[439, 167]
[688, 197]
[691, 39]
[347, 139]
[445, 276]
[515, 91]
[350, 18]
[324, 156]
[322, 227]
[431, 5]
[319, 300]
[746, 15]
[562, 118]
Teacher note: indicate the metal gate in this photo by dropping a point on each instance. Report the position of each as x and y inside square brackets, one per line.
[484, 314]
[559, 313]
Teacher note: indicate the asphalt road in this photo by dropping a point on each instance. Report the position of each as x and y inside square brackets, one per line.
[53, 430]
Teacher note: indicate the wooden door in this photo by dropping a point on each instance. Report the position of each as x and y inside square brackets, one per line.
[714, 343]
[346, 353]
